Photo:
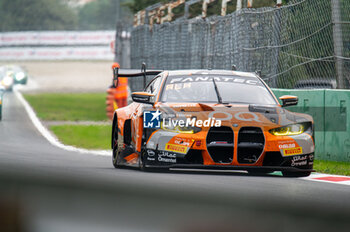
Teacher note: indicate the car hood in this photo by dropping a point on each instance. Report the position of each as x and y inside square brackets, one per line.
[235, 114]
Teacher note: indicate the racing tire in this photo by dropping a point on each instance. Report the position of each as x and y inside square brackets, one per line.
[296, 174]
[115, 152]
[115, 158]
[142, 163]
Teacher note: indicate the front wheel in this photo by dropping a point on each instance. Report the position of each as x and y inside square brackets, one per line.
[115, 155]
[296, 174]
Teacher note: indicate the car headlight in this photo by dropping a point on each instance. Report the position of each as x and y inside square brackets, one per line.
[20, 76]
[7, 81]
[294, 129]
[180, 129]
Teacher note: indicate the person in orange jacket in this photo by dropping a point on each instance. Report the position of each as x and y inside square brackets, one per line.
[117, 95]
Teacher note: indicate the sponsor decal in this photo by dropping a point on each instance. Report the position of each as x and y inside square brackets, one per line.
[293, 151]
[247, 117]
[241, 116]
[167, 157]
[178, 86]
[286, 146]
[150, 153]
[228, 115]
[151, 119]
[299, 161]
[183, 141]
[176, 148]
[223, 78]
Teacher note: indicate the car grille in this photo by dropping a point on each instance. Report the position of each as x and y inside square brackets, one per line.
[273, 158]
[220, 144]
[250, 145]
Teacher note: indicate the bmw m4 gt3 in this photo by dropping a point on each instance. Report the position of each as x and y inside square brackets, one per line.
[212, 119]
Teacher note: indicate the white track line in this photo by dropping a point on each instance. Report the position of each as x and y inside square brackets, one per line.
[46, 133]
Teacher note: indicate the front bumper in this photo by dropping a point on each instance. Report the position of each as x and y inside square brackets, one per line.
[272, 161]
[230, 167]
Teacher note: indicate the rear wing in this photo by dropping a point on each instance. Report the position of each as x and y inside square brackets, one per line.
[143, 74]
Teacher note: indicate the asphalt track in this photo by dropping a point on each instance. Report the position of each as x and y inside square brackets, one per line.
[70, 191]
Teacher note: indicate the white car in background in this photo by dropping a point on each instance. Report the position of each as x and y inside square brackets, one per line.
[6, 79]
[11, 75]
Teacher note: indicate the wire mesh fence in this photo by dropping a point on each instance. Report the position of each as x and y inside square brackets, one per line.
[305, 44]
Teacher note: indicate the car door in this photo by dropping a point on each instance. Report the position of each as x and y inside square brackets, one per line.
[137, 122]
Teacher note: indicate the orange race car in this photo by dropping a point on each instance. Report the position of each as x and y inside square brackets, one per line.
[212, 119]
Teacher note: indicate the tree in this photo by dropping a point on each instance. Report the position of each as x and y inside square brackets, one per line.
[102, 14]
[19, 15]
[214, 8]
[137, 5]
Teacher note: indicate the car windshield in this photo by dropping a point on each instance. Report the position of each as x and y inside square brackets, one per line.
[201, 88]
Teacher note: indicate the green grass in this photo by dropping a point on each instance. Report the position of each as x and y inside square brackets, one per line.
[69, 106]
[89, 137]
[332, 167]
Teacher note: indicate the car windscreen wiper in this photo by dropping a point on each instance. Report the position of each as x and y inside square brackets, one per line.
[217, 92]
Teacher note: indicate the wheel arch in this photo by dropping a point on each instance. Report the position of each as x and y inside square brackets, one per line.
[127, 132]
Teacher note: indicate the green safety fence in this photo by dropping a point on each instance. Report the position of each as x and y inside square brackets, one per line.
[329, 110]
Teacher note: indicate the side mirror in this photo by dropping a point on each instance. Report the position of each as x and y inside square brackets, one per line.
[289, 100]
[142, 97]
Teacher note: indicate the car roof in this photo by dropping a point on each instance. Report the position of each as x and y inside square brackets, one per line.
[187, 72]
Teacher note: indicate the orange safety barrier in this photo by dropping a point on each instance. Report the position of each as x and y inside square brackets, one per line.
[116, 96]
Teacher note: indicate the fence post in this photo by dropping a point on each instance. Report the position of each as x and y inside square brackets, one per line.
[239, 5]
[277, 40]
[224, 7]
[338, 43]
[186, 10]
